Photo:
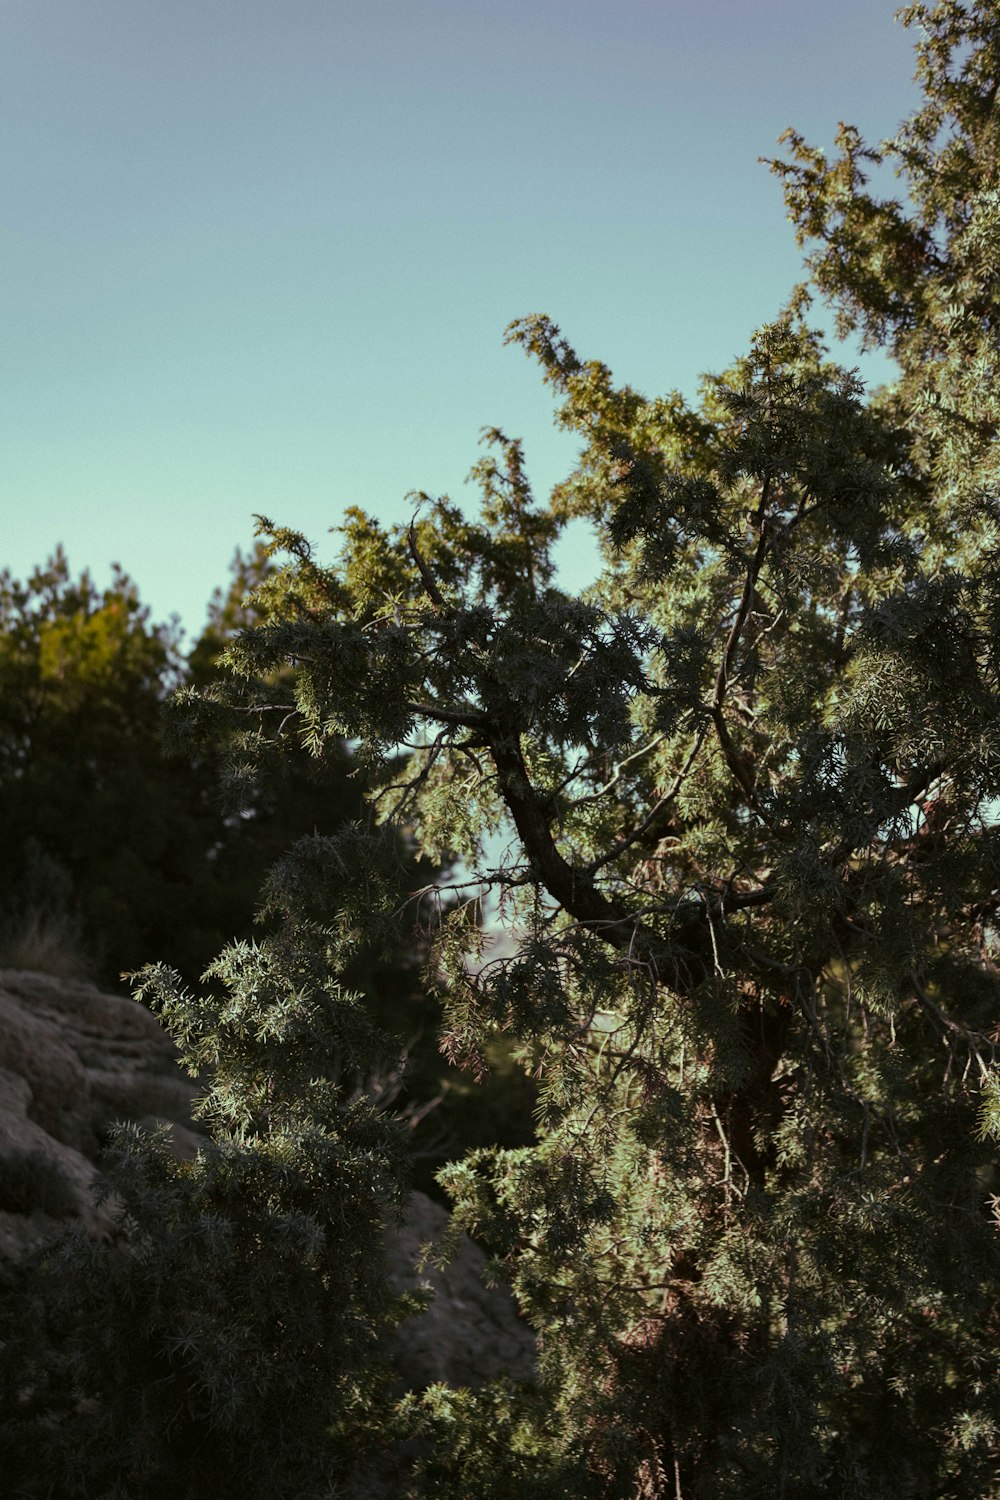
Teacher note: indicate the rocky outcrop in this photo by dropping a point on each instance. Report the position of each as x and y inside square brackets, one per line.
[74, 1060]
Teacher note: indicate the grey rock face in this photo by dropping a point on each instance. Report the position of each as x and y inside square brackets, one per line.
[73, 1061]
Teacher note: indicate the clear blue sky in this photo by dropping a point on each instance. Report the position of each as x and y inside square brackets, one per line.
[258, 255]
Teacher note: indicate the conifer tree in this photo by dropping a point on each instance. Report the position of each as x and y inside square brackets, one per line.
[745, 788]
[736, 807]
[88, 804]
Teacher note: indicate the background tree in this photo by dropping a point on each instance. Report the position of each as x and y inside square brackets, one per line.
[100, 830]
[735, 804]
[119, 840]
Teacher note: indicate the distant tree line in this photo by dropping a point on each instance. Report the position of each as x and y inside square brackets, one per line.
[118, 840]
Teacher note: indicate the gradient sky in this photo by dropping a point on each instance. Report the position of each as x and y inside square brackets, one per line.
[258, 255]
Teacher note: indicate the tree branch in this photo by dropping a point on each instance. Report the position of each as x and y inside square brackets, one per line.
[467, 718]
[734, 759]
[430, 585]
[656, 811]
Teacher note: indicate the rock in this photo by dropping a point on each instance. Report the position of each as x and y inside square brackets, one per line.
[74, 1060]
[470, 1333]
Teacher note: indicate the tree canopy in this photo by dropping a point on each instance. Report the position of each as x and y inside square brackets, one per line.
[100, 831]
[735, 808]
[122, 836]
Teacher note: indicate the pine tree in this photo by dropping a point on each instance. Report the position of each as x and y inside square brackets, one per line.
[100, 829]
[736, 808]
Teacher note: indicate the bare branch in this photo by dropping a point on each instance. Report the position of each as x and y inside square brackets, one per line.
[430, 586]
[737, 762]
[973, 1039]
[468, 718]
[619, 768]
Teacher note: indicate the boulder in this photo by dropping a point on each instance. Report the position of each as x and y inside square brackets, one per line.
[470, 1332]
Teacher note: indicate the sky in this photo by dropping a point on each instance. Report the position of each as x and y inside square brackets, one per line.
[258, 256]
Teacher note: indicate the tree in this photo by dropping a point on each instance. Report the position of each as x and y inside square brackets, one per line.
[119, 839]
[279, 788]
[90, 806]
[735, 806]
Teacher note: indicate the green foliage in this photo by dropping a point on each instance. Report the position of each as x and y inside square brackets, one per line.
[492, 1443]
[138, 825]
[223, 1343]
[237, 717]
[87, 810]
[735, 810]
[118, 842]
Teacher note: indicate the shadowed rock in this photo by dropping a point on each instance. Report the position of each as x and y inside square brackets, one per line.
[470, 1333]
[73, 1061]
